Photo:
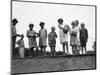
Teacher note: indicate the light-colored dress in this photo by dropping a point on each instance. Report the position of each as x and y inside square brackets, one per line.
[32, 41]
[52, 39]
[63, 36]
[20, 44]
[73, 38]
[42, 38]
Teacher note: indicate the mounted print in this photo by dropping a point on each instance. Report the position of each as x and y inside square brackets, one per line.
[52, 37]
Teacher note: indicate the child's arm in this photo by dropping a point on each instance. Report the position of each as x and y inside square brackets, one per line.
[56, 35]
[46, 33]
[27, 34]
[87, 34]
[18, 42]
[60, 27]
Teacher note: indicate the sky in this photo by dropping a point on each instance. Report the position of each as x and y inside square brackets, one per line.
[27, 13]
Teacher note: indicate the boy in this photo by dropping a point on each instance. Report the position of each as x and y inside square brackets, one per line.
[20, 44]
[52, 40]
[31, 34]
[83, 37]
[42, 38]
[63, 36]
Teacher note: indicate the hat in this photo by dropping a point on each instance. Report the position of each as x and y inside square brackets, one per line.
[60, 20]
[42, 23]
[31, 25]
[15, 20]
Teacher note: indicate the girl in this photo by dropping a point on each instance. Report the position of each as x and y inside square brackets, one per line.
[73, 37]
[42, 38]
[31, 34]
[63, 35]
[20, 44]
[52, 40]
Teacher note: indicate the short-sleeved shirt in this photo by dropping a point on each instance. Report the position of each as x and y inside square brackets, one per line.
[32, 41]
[20, 43]
[13, 31]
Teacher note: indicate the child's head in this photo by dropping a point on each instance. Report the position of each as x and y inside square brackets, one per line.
[14, 21]
[31, 26]
[73, 23]
[77, 22]
[53, 29]
[42, 24]
[22, 36]
[60, 20]
[82, 25]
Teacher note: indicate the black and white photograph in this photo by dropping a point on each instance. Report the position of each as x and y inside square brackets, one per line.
[52, 37]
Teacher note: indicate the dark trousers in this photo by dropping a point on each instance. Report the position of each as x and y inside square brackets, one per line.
[13, 46]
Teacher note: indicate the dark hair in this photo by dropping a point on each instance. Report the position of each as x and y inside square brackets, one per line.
[60, 20]
[15, 20]
[72, 23]
[77, 21]
[31, 25]
[42, 23]
[82, 24]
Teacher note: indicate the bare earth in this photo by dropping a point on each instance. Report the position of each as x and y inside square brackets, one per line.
[53, 64]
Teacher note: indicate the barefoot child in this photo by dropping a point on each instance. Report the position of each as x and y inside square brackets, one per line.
[42, 38]
[83, 37]
[31, 34]
[52, 40]
[63, 35]
[73, 38]
[20, 44]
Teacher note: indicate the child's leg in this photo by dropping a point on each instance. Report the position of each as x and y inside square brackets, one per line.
[64, 48]
[22, 52]
[85, 49]
[82, 50]
[45, 51]
[51, 50]
[54, 50]
[67, 47]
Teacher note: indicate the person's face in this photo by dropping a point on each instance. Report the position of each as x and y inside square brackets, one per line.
[31, 27]
[60, 22]
[42, 26]
[22, 37]
[82, 26]
[52, 29]
[14, 23]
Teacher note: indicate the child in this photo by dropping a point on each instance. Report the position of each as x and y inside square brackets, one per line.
[42, 38]
[52, 40]
[63, 35]
[20, 44]
[73, 37]
[31, 34]
[83, 37]
[78, 33]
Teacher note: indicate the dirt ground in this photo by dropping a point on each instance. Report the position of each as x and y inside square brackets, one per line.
[53, 64]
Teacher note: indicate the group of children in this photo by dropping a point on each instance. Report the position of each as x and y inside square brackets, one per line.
[78, 38]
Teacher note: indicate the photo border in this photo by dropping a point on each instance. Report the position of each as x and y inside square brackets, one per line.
[58, 4]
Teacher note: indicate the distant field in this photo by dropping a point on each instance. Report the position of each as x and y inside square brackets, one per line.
[53, 64]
